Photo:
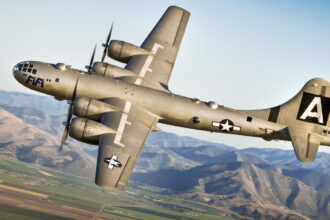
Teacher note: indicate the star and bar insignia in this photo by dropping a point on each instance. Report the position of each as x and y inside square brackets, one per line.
[226, 125]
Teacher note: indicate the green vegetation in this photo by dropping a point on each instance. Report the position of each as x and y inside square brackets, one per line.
[13, 213]
[138, 202]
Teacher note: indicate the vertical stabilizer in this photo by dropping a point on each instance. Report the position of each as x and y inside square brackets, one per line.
[306, 116]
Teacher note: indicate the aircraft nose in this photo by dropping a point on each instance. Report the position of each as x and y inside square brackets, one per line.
[16, 70]
[20, 71]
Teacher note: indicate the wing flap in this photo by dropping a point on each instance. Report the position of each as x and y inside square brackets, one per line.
[305, 144]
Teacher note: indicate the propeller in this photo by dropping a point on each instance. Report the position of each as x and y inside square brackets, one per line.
[89, 67]
[68, 117]
[71, 102]
[106, 44]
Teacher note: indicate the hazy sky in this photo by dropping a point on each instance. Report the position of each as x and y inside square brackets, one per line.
[241, 54]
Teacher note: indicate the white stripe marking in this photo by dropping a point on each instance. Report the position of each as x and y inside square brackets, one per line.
[128, 104]
[122, 123]
[215, 124]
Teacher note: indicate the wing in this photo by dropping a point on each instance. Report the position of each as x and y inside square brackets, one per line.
[119, 152]
[305, 144]
[164, 40]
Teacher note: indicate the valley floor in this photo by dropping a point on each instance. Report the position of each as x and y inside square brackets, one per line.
[31, 192]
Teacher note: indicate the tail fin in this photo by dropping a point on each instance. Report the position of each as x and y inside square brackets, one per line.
[306, 117]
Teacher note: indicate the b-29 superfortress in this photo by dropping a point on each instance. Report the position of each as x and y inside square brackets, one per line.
[116, 108]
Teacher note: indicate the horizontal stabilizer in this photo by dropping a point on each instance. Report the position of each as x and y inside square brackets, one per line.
[305, 144]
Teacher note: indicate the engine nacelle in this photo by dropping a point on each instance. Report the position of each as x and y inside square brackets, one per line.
[91, 108]
[106, 69]
[123, 51]
[88, 131]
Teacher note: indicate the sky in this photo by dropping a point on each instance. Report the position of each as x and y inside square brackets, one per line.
[242, 54]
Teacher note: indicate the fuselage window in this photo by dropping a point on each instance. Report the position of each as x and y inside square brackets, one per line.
[34, 71]
[29, 70]
[57, 80]
[24, 69]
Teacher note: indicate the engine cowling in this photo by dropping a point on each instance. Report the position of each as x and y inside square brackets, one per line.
[123, 51]
[91, 108]
[88, 131]
[106, 69]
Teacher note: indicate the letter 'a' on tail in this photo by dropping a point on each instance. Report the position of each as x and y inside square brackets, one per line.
[307, 118]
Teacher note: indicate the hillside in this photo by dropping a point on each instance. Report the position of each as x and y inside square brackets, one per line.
[244, 188]
[30, 144]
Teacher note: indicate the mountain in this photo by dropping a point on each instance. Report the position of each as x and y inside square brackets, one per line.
[38, 118]
[154, 158]
[201, 154]
[278, 157]
[165, 139]
[237, 156]
[217, 154]
[46, 104]
[30, 144]
[311, 177]
[243, 188]
[44, 112]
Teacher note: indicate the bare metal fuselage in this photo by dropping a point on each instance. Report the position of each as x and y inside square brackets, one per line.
[170, 108]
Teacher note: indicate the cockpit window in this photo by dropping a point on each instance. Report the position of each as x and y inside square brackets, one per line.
[27, 67]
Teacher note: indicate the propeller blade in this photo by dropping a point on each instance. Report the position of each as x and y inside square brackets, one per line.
[92, 60]
[69, 116]
[64, 137]
[106, 45]
[67, 125]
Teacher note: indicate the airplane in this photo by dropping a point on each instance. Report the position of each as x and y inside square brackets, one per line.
[116, 108]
